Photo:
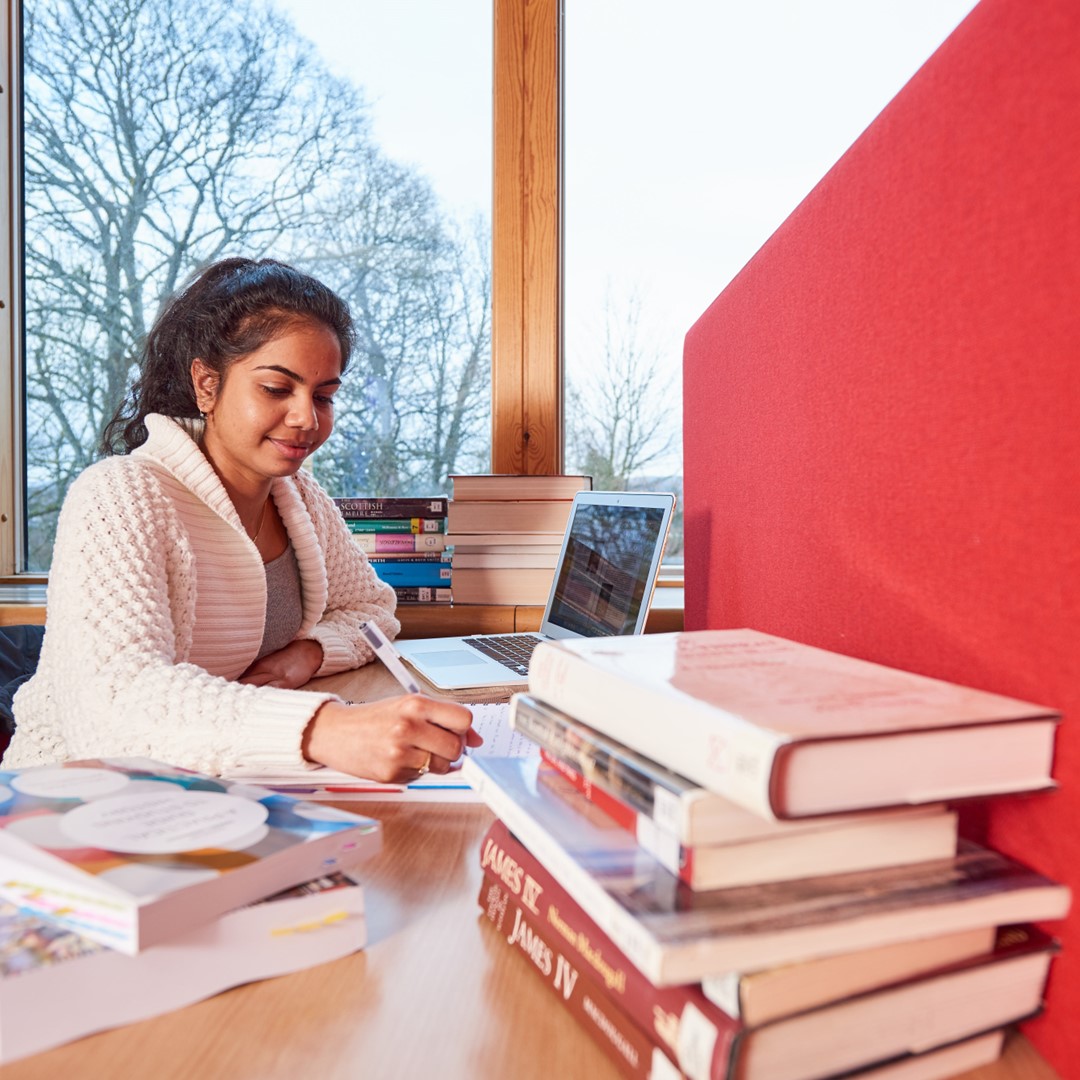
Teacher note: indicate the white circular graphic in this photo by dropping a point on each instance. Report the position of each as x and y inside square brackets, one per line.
[166, 823]
[70, 783]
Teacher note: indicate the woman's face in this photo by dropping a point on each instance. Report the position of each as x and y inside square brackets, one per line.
[273, 408]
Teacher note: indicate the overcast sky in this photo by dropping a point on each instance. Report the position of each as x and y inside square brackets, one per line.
[693, 127]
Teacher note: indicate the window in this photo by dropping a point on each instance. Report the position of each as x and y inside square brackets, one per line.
[672, 182]
[159, 137]
[692, 130]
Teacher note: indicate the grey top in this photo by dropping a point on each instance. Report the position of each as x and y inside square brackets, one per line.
[284, 602]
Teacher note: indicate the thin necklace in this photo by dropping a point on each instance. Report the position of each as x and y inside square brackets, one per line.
[262, 518]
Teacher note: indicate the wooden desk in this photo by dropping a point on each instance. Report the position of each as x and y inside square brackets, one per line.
[434, 994]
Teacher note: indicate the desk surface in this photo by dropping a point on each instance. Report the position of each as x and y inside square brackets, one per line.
[435, 993]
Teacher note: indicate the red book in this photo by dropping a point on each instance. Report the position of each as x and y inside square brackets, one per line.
[997, 988]
[619, 1037]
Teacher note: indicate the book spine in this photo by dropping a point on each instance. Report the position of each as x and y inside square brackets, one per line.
[700, 1037]
[433, 507]
[433, 575]
[664, 847]
[705, 744]
[572, 745]
[620, 812]
[378, 543]
[397, 525]
[620, 1039]
[421, 594]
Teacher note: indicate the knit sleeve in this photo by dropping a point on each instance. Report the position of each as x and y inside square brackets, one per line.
[354, 592]
[112, 680]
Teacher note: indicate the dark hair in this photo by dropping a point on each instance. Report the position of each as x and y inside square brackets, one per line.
[227, 311]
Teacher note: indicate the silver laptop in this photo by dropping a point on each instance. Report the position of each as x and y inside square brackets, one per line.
[603, 586]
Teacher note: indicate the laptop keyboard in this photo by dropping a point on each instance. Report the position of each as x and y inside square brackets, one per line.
[511, 650]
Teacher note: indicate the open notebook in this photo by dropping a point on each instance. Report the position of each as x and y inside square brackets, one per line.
[320, 783]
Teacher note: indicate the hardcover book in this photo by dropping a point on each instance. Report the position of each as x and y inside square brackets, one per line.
[641, 795]
[754, 997]
[675, 934]
[132, 852]
[508, 516]
[788, 730]
[56, 986]
[408, 543]
[832, 846]
[528, 585]
[954, 1002]
[433, 506]
[415, 572]
[419, 525]
[631, 1049]
[472, 486]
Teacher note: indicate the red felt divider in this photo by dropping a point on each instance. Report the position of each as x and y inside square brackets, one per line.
[882, 412]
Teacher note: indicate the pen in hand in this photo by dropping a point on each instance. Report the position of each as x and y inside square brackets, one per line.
[384, 649]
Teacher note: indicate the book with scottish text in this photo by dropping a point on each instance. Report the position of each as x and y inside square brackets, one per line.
[398, 506]
[675, 934]
[131, 852]
[885, 1003]
[56, 986]
[950, 1001]
[788, 730]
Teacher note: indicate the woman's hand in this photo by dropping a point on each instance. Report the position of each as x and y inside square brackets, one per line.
[392, 741]
[287, 668]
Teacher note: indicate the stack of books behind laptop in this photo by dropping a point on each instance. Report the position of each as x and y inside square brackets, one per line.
[405, 541]
[506, 532]
[733, 858]
[129, 888]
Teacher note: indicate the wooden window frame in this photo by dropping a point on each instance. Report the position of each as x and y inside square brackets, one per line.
[527, 234]
[526, 376]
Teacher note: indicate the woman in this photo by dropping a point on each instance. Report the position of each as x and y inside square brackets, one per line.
[199, 576]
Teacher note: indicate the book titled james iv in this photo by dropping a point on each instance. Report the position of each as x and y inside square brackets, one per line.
[56, 986]
[893, 1004]
[872, 1029]
[788, 730]
[675, 934]
[631, 1049]
[131, 852]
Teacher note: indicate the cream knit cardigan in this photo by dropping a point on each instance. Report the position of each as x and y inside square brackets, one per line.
[157, 603]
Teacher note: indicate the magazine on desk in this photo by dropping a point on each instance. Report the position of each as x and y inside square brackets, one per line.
[319, 784]
[131, 852]
[56, 986]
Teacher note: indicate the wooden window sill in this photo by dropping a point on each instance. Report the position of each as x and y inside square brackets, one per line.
[26, 604]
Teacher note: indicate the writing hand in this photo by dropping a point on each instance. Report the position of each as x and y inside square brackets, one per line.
[393, 740]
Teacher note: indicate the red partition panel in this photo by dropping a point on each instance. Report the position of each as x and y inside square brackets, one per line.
[882, 411]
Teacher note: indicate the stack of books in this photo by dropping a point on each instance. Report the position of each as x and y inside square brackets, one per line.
[405, 541]
[129, 888]
[506, 532]
[735, 858]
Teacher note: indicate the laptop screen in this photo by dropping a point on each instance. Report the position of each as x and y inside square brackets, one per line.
[607, 564]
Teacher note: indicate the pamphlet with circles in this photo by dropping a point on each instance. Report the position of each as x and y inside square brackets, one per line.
[130, 852]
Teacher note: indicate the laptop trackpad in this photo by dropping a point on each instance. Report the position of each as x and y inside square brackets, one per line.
[442, 658]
